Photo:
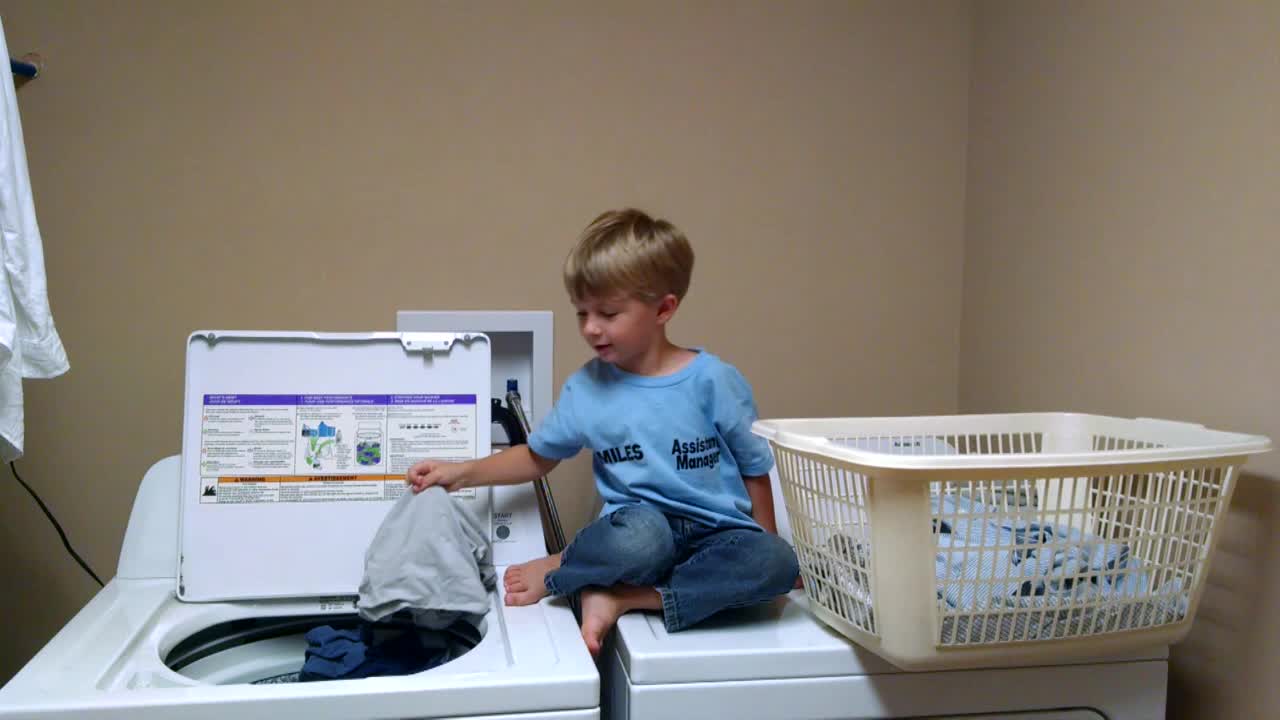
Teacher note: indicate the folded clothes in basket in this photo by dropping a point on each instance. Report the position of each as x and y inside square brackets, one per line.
[1007, 556]
[990, 560]
[993, 564]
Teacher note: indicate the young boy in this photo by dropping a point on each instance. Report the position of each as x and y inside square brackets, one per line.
[685, 484]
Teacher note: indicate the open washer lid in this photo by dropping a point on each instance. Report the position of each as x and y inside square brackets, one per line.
[295, 445]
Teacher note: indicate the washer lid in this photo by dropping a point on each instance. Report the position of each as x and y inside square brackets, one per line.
[295, 445]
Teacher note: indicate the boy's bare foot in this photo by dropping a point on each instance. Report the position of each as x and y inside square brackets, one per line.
[602, 608]
[524, 582]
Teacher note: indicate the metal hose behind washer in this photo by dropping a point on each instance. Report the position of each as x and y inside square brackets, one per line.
[516, 424]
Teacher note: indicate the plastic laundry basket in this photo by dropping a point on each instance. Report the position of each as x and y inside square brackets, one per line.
[971, 540]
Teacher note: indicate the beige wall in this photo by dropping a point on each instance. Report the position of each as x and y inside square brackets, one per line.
[309, 165]
[1121, 257]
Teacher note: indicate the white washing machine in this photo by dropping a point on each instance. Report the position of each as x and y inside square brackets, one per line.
[256, 533]
[777, 662]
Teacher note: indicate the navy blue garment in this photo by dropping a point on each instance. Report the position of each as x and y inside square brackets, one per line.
[368, 651]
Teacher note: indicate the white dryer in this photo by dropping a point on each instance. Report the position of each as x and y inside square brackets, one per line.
[777, 662]
[256, 533]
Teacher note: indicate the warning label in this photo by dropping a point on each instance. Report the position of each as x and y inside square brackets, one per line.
[326, 448]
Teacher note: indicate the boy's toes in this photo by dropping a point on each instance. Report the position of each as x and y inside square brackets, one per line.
[593, 644]
[513, 579]
[526, 597]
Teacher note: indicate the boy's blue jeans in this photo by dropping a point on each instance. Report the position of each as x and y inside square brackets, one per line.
[698, 570]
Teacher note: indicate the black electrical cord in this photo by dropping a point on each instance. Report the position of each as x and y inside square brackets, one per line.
[66, 543]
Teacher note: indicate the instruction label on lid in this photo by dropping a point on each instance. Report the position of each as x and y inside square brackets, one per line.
[326, 448]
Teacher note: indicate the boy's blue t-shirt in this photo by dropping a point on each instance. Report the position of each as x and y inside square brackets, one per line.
[680, 443]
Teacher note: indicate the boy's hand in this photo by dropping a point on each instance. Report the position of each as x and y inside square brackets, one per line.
[427, 473]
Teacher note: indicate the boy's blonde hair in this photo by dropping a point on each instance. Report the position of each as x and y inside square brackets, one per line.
[627, 251]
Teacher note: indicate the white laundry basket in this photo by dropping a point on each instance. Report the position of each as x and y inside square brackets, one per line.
[970, 540]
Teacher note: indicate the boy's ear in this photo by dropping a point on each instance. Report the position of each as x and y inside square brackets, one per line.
[667, 307]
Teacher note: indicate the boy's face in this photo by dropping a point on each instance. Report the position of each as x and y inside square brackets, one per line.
[622, 329]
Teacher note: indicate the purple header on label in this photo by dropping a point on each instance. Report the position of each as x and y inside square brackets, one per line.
[250, 399]
[433, 399]
[339, 399]
[343, 399]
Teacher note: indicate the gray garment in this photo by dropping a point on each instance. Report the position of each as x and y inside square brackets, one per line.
[431, 555]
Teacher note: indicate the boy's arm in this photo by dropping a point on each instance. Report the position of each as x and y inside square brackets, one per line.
[761, 501]
[509, 467]
[762, 507]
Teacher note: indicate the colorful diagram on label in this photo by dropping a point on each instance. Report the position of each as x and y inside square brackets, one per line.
[321, 441]
[369, 443]
[325, 447]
